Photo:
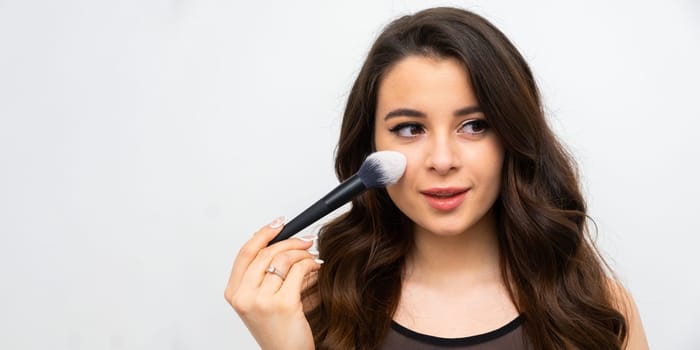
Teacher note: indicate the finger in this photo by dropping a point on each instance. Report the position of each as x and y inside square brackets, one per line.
[292, 286]
[249, 251]
[282, 262]
[255, 272]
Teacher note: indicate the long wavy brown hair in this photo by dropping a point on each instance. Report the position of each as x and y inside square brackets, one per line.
[551, 267]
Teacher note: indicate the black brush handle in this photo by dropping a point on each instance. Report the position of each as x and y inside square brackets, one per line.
[340, 195]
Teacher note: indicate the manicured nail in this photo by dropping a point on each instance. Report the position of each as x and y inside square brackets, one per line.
[308, 238]
[277, 222]
[319, 261]
[313, 251]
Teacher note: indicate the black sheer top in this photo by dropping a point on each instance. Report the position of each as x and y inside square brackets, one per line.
[508, 337]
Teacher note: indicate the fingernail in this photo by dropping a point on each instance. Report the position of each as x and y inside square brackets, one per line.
[319, 261]
[277, 222]
[308, 238]
[313, 252]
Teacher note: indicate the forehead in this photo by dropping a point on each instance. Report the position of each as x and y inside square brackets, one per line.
[424, 82]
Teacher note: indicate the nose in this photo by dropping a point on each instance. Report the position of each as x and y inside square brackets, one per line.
[443, 155]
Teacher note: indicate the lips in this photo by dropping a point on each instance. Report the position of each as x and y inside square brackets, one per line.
[446, 198]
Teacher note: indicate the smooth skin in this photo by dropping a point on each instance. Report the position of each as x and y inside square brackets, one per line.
[269, 306]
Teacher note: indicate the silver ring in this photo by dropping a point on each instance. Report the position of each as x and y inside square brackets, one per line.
[275, 271]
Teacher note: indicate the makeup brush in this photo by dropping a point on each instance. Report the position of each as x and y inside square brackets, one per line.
[379, 169]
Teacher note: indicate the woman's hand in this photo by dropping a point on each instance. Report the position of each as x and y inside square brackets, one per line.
[269, 303]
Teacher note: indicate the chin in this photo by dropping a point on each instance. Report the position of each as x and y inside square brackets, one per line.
[456, 223]
[441, 228]
[447, 232]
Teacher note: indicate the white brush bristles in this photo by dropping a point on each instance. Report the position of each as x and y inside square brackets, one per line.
[382, 168]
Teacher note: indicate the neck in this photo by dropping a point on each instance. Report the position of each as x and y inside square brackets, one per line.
[468, 257]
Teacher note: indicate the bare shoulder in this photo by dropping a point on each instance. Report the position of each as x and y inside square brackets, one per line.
[636, 339]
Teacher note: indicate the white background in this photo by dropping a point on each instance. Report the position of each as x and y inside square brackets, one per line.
[142, 142]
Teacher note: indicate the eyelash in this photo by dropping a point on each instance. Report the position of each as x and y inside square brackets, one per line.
[399, 127]
[480, 124]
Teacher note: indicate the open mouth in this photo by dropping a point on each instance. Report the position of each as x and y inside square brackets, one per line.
[443, 195]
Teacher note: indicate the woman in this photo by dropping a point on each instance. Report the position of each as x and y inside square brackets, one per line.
[482, 244]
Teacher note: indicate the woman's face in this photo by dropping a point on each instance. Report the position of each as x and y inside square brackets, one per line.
[427, 110]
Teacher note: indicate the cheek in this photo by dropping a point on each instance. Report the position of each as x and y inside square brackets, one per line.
[494, 164]
[400, 192]
[492, 152]
[486, 163]
[407, 179]
[493, 168]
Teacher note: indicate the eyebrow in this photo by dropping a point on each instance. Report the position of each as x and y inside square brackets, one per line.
[407, 112]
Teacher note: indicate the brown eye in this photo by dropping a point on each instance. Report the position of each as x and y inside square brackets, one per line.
[407, 129]
[475, 126]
